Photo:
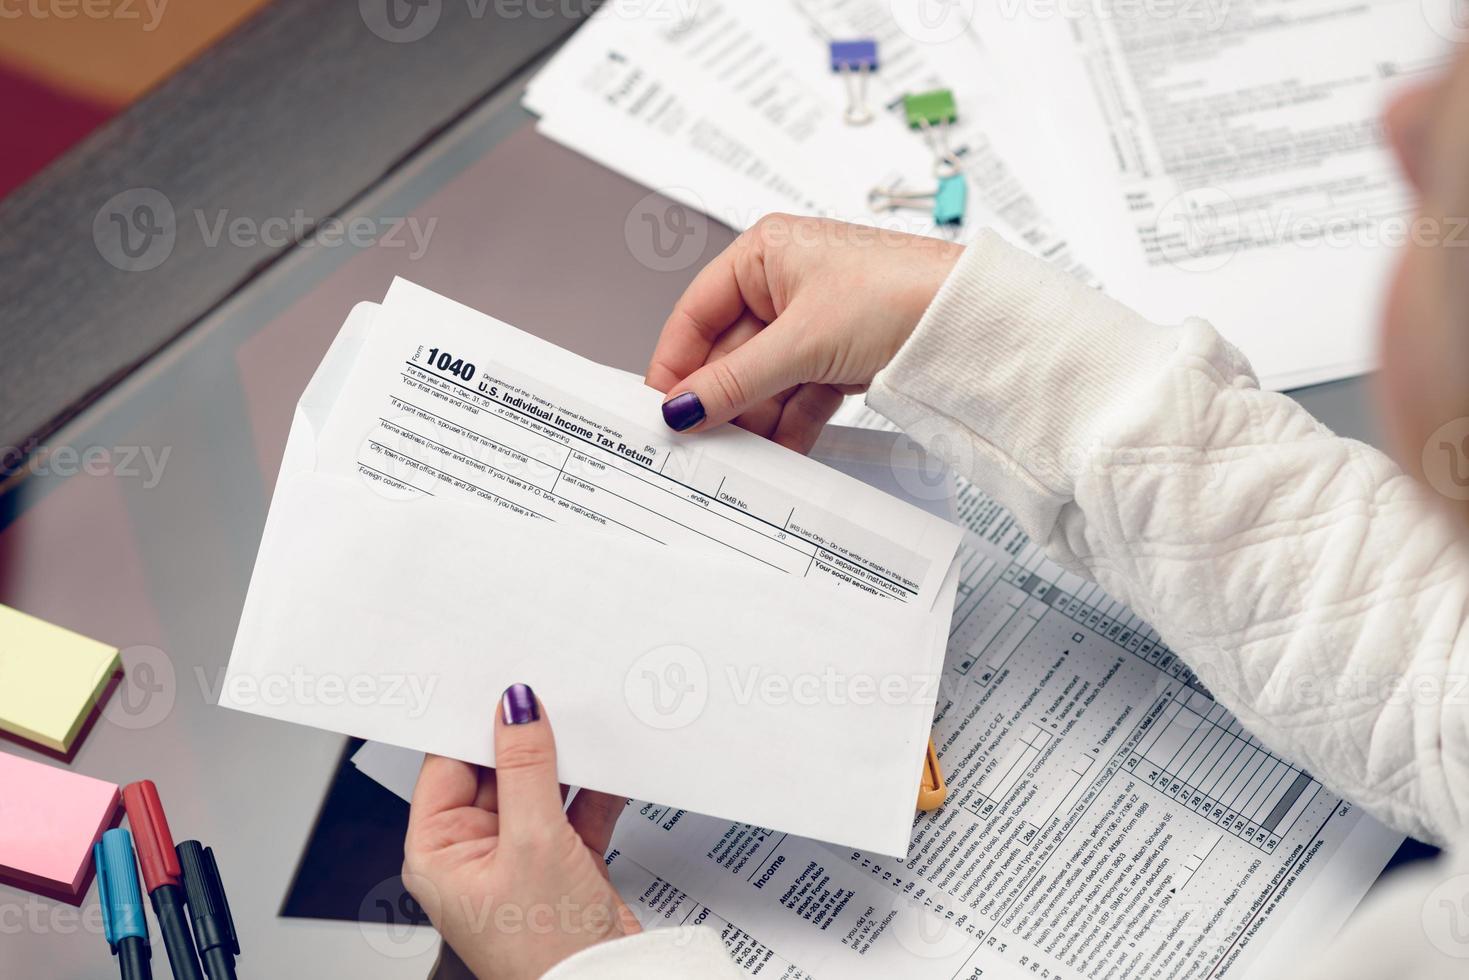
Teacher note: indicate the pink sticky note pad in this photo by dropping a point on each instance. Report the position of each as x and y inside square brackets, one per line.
[49, 820]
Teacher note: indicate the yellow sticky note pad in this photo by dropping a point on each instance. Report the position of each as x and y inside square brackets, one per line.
[50, 678]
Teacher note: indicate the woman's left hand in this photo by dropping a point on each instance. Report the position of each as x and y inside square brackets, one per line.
[513, 884]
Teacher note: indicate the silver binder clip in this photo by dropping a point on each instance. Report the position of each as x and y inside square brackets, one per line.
[946, 203]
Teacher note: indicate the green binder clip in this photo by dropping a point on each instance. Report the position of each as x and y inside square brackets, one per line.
[947, 202]
[932, 113]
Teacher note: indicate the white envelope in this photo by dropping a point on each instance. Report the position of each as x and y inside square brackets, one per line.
[670, 676]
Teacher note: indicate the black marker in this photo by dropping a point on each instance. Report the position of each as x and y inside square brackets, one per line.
[209, 910]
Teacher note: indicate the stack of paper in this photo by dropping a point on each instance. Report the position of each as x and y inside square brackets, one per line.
[462, 506]
[1196, 159]
[746, 643]
[1089, 773]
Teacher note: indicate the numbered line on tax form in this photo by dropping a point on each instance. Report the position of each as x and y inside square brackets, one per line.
[1091, 774]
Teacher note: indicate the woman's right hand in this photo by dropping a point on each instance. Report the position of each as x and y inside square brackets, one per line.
[794, 315]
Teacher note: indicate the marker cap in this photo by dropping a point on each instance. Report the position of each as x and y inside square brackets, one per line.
[151, 834]
[214, 926]
[117, 884]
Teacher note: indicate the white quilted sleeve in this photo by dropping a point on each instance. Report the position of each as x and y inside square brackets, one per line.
[1310, 584]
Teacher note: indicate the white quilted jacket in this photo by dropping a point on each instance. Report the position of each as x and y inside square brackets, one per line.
[1310, 584]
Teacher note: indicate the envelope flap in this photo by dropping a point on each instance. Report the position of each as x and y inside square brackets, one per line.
[321, 392]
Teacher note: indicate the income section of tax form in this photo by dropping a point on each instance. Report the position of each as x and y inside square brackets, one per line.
[1106, 817]
[444, 400]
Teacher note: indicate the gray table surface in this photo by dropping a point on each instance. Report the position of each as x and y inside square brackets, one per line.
[298, 110]
[521, 229]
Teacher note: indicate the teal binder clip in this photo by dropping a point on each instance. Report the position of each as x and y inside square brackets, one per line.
[950, 200]
[947, 202]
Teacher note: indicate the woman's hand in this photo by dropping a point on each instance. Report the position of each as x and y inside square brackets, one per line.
[794, 315]
[512, 883]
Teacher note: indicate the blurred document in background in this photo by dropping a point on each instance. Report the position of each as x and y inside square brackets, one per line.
[1225, 159]
[1212, 158]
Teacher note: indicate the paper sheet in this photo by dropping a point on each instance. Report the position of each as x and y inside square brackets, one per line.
[1105, 817]
[659, 904]
[883, 460]
[738, 115]
[814, 914]
[1227, 160]
[390, 766]
[981, 138]
[446, 401]
[1183, 156]
[637, 118]
[451, 519]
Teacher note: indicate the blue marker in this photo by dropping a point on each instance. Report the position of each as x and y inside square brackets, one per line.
[123, 923]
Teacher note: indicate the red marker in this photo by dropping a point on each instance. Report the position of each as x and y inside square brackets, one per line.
[161, 875]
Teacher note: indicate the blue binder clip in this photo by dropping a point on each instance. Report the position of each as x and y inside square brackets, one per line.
[947, 202]
[855, 60]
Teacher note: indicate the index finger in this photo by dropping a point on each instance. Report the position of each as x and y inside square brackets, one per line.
[711, 304]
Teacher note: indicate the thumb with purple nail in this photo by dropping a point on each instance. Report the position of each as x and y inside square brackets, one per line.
[795, 315]
[513, 883]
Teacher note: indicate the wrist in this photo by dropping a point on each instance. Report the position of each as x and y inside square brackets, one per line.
[936, 263]
[1004, 327]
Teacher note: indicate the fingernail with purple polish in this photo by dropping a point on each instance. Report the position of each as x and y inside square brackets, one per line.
[518, 705]
[683, 411]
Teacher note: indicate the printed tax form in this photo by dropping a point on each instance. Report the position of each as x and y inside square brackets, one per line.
[463, 506]
[1106, 817]
[1227, 160]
